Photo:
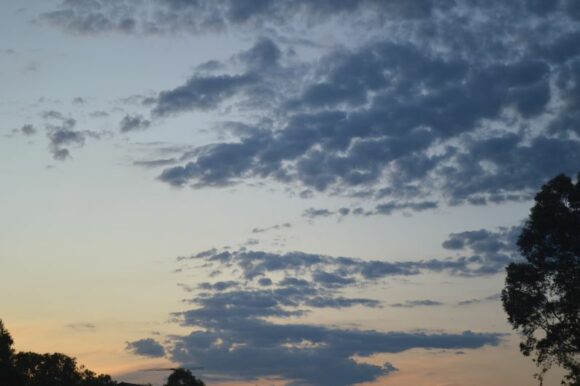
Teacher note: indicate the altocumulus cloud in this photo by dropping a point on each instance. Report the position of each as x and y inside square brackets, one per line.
[478, 253]
[170, 16]
[239, 319]
[402, 118]
[240, 334]
[418, 109]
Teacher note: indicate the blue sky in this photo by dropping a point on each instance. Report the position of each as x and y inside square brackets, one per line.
[282, 192]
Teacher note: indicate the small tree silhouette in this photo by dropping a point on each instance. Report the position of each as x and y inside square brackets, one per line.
[183, 377]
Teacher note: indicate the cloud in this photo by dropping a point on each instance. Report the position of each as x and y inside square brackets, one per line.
[133, 123]
[28, 129]
[381, 209]
[285, 225]
[417, 303]
[313, 213]
[497, 248]
[389, 207]
[418, 111]
[202, 16]
[82, 326]
[249, 326]
[155, 163]
[479, 253]
[218, 286]
[396, 117]
[202, 93]
[63, 135]
[249, 330]
[306, 354]
[146, 347]
[236, 340]
[491, 298]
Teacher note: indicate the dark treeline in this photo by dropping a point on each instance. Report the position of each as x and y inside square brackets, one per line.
[33, 369]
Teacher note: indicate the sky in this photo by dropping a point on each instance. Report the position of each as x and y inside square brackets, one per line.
[276, 192]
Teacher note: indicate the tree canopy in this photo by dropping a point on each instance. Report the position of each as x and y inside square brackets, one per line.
[32, 369]
[6, 353]
[542, 292]
[56, 369]
[183, 377]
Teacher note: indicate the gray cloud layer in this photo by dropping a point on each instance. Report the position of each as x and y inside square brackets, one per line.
[469, 102]
[198, 16]
[240, 329]
[236, 337]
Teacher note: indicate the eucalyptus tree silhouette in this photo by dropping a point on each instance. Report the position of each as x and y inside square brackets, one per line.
[542, 293]
[183, 377]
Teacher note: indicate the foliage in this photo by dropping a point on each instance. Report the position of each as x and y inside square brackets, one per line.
[183, 377]
[6, 353]
[32, 369]
[55, 370]
[542, 293]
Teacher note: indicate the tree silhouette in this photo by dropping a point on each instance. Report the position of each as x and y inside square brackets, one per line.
[542, 293]
[6, 354]
[55, 370]
[183, 377]
[32, 369]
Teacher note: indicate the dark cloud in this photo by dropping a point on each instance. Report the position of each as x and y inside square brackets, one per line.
[247, 327]
[306, 354]
[99, 114]
[82, 327]
[219, 286]
[155, 163]
[62, 135]
[341, 302]
[263, 56]
[27, 130]
[235, 337]
[344, 211]
[174, 16]
[478, 253]
[491, 298]
[202, 93]
[417, 303]
[146, 347]
[389, 207]
[250, 242]
[285, 225]
[52, 114]
[497, 248]
[313, 213]
[397, 118]
[133, 123]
